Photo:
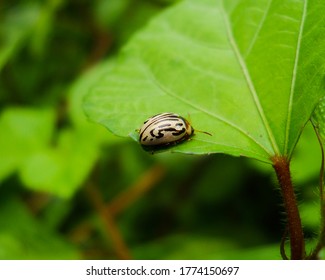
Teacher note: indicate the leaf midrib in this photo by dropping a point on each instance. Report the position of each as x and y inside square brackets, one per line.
[249, 81]
[294, 76]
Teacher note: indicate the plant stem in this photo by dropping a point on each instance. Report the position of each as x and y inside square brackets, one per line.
[110, 225]
[297, 242]
[147, 181]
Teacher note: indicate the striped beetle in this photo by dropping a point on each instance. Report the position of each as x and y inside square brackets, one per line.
[165, 129]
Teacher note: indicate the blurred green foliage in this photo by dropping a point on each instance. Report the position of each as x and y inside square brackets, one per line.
[71, 190]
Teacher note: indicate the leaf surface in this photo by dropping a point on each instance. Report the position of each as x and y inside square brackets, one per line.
[248, 72]
[62, 168]
[24, 131]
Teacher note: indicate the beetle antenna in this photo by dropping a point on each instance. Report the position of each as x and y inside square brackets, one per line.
[203, 132]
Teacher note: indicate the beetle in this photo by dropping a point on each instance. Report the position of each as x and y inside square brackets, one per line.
[165, 129]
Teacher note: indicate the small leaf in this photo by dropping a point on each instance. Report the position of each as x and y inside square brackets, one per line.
[61, 169]
[24, 131]
[248, 72]
[83, 143]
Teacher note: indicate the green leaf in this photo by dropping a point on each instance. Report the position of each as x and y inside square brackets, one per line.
[79, 89]
[62, 169]
[24, 131]
[248, 72]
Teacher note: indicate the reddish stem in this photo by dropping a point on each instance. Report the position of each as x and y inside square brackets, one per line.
[297, 242]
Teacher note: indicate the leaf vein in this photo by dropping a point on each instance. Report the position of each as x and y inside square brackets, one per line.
[258, 30]
[187, 101]
[249, 83]
[294, 77]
